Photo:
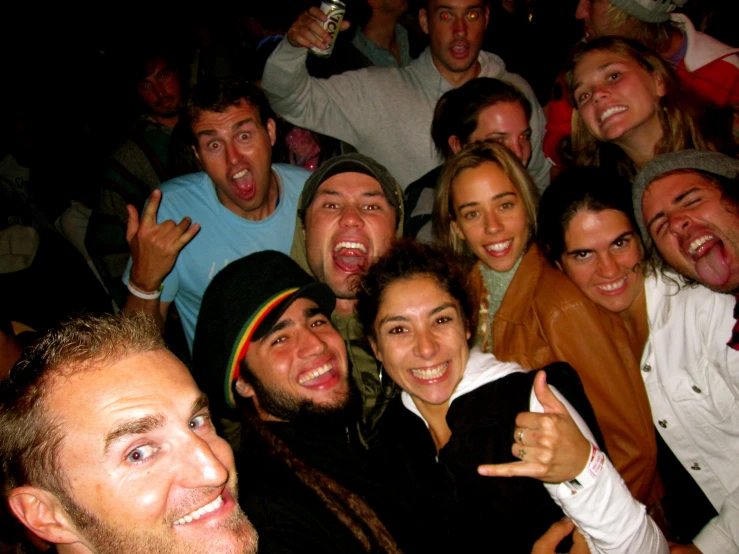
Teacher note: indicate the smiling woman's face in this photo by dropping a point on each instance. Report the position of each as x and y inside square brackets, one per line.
[616, 96]
[421, 338]
[602, 252]
[490, 215]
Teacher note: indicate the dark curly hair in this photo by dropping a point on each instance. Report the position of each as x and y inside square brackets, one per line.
[404, 261]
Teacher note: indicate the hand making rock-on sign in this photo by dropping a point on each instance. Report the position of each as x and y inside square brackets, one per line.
[154, 250]
[550, 445]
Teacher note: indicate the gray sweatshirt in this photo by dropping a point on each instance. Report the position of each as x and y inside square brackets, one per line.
[385, 112]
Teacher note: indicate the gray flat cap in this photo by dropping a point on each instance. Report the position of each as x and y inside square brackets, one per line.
[700, 160]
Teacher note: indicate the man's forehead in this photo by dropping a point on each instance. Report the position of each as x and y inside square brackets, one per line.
[301, 307]
[153, 66]
[241, 112]
[94, 398]
[434, 5]
[351, 183]
[671, 184]
[300, 310]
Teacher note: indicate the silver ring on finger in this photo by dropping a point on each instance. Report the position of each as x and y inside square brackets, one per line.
[520, 435]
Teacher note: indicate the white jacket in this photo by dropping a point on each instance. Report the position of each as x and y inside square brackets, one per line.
[692, 380]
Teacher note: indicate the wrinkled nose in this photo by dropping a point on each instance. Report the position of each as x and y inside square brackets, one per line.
[350, 217]
[678, 223]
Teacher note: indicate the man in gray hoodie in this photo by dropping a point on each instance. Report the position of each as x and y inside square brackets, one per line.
[386, 113]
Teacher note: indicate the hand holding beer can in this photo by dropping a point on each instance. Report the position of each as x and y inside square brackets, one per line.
[334, 10]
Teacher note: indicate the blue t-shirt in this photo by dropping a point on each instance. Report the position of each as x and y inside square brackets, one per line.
[223, 236]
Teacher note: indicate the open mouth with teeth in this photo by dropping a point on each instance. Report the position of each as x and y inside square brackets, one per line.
[244, 184]
[324, 376]
[709, 255]
[611, 112]
[431, 374]
[200, 512]
[499, 249]
[615, 287]
[350, 256]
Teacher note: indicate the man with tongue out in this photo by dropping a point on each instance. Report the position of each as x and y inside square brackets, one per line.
[688, 203]
[195, 225]
[350, 212]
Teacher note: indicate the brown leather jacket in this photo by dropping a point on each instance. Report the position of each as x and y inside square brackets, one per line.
[545, 318]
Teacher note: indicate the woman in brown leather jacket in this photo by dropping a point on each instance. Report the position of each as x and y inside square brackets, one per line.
[532, 314]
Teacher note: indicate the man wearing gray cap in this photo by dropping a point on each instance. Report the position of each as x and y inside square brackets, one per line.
[350, 212]
[688, 203]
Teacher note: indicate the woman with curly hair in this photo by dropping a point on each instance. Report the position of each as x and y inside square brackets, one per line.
[462, 407]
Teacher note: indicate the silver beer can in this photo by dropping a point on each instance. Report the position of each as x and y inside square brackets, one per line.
[334, 10]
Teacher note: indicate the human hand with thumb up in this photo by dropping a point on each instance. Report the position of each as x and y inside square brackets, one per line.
[550, 445]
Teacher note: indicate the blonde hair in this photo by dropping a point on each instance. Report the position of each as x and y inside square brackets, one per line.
[677, 110]
[470, 157]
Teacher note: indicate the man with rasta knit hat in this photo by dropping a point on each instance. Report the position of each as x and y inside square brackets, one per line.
[267, 355]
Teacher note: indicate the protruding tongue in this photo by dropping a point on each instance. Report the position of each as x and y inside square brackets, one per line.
[350, 259]
[712, 267]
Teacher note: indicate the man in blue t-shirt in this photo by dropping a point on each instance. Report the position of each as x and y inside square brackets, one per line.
[241, 204]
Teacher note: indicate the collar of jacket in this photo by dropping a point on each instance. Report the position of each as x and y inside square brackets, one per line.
[517, 300]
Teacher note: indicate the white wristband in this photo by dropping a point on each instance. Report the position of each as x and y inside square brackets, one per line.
[143, 294]
[590, 473]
